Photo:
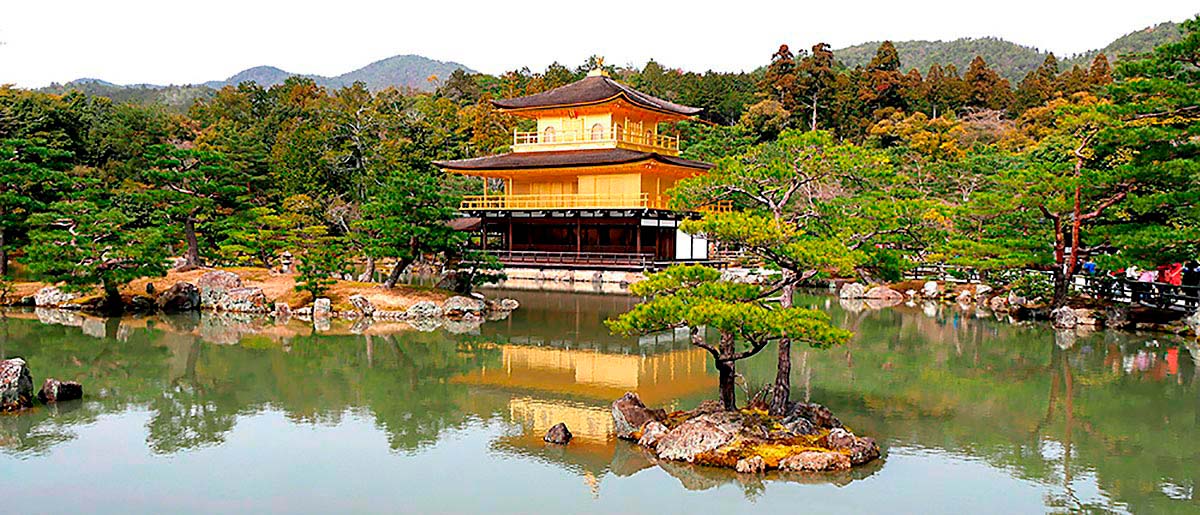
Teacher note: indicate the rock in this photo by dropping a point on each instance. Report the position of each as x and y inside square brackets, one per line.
[751, 465]
[54, 390]
[16, 385]
[839, 438]
[283, 312]
[243, 300]
[883, 293]
[1064, 318]
[813, 461]
[982, 289]
[215, 285]
[699, 435]
[707, 406]
[141, 304]
[852, 291]
[964, 297]
[931, 289]
[508, 304]
[910, 293]
[322, 308]
[1193, 321]
[558, 435]
[459, 306]
[181, 297]
[798, 425]
[652, 432]
[304, 312]
[1085, 316]
[363, 305]
[860, 450]
[52, 297]
[818, 415]
[629, 414]
[1015, 300]
[998, 304]
[863, 450]
[423, 309]
[1116, 316]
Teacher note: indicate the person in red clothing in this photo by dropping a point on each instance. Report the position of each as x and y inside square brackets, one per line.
[1173, 274]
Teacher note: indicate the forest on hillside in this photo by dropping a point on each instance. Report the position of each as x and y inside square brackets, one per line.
[899, 166]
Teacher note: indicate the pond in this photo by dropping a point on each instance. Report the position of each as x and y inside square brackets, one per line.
[973, 414]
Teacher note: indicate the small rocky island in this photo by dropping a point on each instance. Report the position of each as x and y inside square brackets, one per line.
[808, 439]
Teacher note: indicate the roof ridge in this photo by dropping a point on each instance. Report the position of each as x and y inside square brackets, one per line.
[590, 90]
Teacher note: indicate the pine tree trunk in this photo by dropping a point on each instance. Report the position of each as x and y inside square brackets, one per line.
[112, 298]
[1061, 277]
[368, 274]
[192, 257]
[397, 270]
[727, 373]
[783, 372]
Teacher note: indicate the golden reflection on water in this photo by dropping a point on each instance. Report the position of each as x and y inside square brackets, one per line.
[596, 376]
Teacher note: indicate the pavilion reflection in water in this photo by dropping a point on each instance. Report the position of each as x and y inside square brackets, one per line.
[545, 375]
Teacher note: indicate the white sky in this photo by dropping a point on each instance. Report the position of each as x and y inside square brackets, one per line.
[169, 41]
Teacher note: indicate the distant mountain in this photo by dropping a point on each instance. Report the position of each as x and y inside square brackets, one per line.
[401, 71]
[1135, 42]
[1011, 60]
[177, 99]
[263, 75]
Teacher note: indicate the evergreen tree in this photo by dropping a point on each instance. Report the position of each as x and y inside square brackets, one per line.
[695, 297]
[190, 187]
[779, 83]
[409, 218]
[986, 88]
[87, 241]
[1100, 72]
[31, 176]
[817, 78]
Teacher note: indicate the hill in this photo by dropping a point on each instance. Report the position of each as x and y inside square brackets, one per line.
[401, 71]
[1009, 59]
[176, 99]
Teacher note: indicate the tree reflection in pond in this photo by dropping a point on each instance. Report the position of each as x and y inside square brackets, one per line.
[1099, 421]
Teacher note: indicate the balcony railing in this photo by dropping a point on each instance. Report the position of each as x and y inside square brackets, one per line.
[577, 201]
[648, 140]
[564, 201]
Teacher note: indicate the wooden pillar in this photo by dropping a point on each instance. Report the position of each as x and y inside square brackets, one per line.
[637, 229]
[578, 235]
[656, 231]
[483, 234]
[510, 242]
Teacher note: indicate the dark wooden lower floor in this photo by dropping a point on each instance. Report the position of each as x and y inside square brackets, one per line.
[639, 241]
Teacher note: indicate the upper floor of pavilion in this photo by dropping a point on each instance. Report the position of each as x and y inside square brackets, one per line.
[596, 112]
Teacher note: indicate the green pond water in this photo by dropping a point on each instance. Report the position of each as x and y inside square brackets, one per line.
[206, 414]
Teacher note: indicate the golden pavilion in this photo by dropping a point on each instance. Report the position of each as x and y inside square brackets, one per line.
[588, 188]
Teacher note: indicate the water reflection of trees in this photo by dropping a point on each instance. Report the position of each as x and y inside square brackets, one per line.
[196, 391]
[1118, 410]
